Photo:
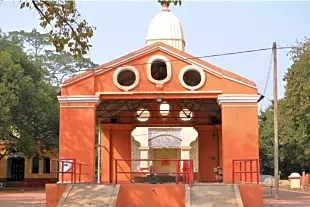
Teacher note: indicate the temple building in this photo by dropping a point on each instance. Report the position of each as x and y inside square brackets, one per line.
[160, 103]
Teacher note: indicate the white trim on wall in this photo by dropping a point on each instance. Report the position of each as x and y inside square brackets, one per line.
[159, 92]
[78, 99]
[238, 98]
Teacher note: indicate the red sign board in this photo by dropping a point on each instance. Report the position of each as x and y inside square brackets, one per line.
[165, 162]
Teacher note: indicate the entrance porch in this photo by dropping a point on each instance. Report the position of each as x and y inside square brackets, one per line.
[196, 129]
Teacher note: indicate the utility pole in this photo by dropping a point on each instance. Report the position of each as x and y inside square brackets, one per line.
[275, 113]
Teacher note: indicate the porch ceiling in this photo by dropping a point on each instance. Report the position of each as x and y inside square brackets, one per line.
[127, 108]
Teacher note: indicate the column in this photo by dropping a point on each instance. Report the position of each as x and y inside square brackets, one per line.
[239, 131]
[185, 154]
[77, 134]
[106, 154]
[116, 145]
[144, 154]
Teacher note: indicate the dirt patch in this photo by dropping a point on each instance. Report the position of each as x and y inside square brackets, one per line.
[22, 197]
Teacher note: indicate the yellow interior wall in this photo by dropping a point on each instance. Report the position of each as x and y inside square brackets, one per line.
[166, 154]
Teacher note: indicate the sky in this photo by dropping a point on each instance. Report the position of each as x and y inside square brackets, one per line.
[210, 27]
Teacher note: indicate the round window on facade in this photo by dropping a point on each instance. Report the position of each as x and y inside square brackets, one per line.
[159, 70]
[164, 109]
[192, 77]
[126, 78]
[186, 115]
[143, 115]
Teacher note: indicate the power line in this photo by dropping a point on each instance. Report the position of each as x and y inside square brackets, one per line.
[267, 80]
[196, 57]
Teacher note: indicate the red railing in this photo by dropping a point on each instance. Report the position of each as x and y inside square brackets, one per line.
[246, 167]
[187, 169]
[74, 170]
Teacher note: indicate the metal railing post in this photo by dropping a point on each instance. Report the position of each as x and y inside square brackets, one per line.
[233, 171]
[116, 172]
[177, 172]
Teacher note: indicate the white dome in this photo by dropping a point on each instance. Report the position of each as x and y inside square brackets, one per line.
[166, 28]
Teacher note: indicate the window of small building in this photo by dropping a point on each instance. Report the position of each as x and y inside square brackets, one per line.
[35, 165]
[46, 165]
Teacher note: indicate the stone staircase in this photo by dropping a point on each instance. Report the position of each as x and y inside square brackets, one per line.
[213, 195]
[89, 195]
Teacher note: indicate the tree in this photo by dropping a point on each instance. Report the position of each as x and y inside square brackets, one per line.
[28, 105]
[294, 118]
[57, 66]
[67, 30]
[168, 2]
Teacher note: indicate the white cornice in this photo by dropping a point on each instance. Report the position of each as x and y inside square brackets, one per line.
[157, 92]
[238, 98]
[78, 99]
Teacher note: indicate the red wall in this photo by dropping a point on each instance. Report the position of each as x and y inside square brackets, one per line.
[251, 195]
[208, 138]
[54, 193]
[131, 195]
[116, 144]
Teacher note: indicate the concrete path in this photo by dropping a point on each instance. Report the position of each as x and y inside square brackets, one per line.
[286, 198]
[213, 196]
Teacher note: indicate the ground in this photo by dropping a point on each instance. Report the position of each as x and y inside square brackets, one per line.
[286, 198]
[26, 197]
[36, 198]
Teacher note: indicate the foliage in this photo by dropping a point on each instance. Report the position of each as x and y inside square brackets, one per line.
[57, 66]
[28, 105]
[168, 2]
[67, 30]
[294, 119]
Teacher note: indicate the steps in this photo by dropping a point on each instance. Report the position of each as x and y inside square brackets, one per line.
[89, 195]
[199, 195]
[208, 195]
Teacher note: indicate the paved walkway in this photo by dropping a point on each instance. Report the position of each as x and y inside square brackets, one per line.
[286, 198]
[33, 198]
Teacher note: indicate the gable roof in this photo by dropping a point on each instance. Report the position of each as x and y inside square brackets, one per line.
[180, 55]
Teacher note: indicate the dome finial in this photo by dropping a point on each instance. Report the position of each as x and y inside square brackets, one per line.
[165, 6]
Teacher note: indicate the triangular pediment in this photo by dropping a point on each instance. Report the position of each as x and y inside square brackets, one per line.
[139, 66]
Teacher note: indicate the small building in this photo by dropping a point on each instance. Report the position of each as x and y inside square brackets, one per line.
[161, 103]
[16, 170]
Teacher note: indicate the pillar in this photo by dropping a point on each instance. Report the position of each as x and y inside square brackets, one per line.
[208, 152]
[77, 134]
[144, 154]
[185, 154]
[115, 145]
[239, 130]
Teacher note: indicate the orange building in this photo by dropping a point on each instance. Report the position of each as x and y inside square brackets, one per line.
[128, 93]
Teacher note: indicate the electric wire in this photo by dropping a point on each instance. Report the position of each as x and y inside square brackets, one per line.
[191, 58]
[267, 80]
